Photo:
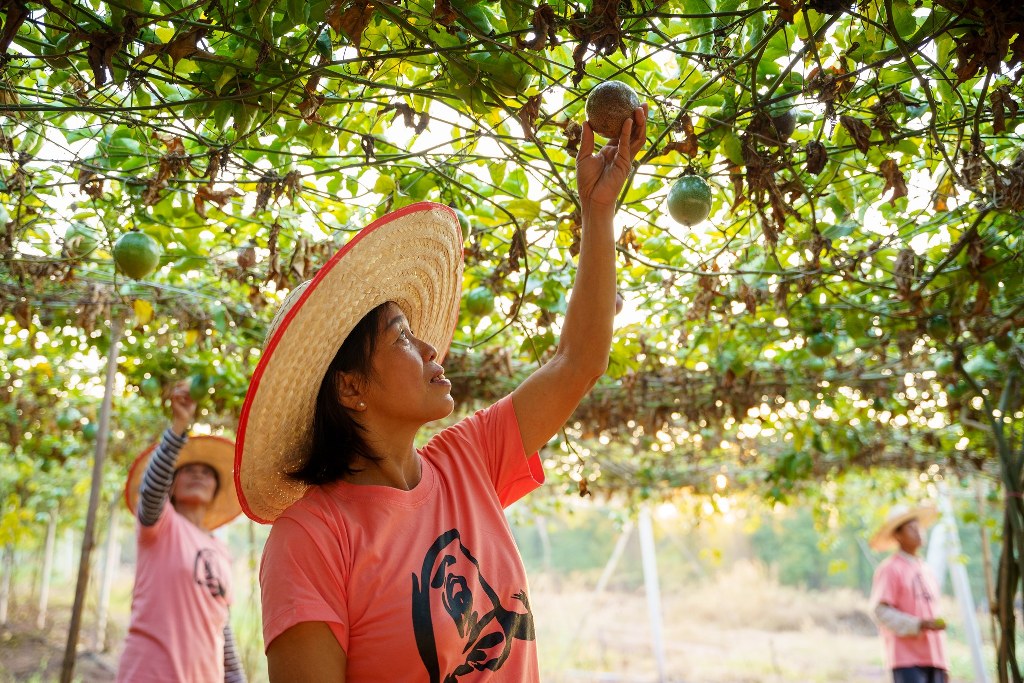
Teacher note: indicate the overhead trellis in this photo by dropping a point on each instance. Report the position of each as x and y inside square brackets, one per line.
[859, 279]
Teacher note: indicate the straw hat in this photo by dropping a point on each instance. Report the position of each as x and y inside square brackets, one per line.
[215, 451]
[412, 257]
[898, 516]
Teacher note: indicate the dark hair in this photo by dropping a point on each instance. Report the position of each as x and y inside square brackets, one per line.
[337, 438]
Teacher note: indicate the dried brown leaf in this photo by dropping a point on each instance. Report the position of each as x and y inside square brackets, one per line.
[817, 157]
[351, 22]
[528, 114]
[206, 193]
[688, 146]
[858, 130]
[894, 180]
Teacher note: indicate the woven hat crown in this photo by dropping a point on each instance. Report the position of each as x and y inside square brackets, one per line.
[412, 257]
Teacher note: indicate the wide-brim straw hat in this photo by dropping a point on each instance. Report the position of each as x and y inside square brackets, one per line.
[413, 257]
[898, 516]
[215, 451]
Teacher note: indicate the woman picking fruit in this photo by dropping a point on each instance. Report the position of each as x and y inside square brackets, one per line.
[388, 562]
[180, 490]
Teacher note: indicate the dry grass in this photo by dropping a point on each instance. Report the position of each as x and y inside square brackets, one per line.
[740, 627]
[737, 627]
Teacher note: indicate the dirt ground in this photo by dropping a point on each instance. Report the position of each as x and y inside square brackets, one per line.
[711, 634]
[33, 656]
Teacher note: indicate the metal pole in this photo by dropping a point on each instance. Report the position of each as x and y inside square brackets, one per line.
[110, 555]
[961, 586]
[650, 563]
[88, 540]
[44, 583]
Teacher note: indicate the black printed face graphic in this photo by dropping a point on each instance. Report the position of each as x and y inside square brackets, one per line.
[453, 603]
[204, 572]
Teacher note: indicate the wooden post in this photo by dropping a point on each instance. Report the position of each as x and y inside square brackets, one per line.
[88, 539]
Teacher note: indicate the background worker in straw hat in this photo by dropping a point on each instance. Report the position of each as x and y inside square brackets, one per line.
[181, 490]
[905, 600]
[387, 562]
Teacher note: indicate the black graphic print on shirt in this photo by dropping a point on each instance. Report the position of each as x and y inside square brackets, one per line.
[205, 572]
[453, 602]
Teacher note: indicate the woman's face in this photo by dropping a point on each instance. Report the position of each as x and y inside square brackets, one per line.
[194, 483]
[406, 384]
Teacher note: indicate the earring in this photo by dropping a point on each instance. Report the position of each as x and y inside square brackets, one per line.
[361, 405]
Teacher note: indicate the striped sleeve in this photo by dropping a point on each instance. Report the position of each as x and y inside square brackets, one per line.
[156, 481]
[233, 671]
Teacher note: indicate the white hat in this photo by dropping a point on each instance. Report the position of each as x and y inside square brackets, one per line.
[413, 257]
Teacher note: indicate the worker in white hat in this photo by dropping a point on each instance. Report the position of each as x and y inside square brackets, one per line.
[905, 600]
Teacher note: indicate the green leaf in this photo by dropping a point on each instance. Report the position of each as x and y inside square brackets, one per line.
[524, 209]
[837, 230]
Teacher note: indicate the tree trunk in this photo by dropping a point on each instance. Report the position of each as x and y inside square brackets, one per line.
[88, 539]
[1011, 562]
[44, 580]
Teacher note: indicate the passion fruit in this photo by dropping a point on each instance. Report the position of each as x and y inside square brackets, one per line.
[479, 302]
[821, 344]
[151, 387]
[136, 254]
[689, 200]
[464, 223]
[199, 386]
[939, 327]
[609, 105]
[68, 418]
[1003, 342]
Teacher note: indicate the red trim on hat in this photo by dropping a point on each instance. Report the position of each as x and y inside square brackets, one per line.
[257, 374]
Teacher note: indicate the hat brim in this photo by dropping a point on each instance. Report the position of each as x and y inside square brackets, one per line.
[883, 538]
[215, 451]
[413, 257]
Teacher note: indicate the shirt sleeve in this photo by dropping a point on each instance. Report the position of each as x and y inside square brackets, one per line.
[885, 587]
[301, 582]
[158, 477]
[900, 623]
[233, 671]
[493, 433]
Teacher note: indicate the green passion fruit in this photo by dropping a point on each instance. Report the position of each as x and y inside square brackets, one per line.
[689, 200]
[136, 254]
[821, 344]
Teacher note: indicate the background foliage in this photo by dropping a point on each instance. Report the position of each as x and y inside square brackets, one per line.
[868, 194]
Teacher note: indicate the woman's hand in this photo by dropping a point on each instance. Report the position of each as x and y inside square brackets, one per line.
[599, 177]
[183, 408]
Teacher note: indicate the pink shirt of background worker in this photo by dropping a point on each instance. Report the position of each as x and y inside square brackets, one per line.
[419, 585]
[197, 592]
[904, 582]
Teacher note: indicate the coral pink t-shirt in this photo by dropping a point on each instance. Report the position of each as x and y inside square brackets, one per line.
[179, 605]
[420, 585]
[903, 581]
